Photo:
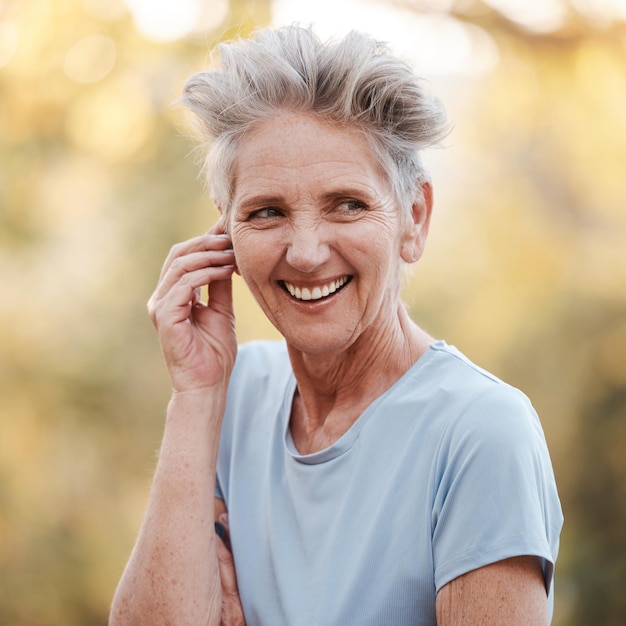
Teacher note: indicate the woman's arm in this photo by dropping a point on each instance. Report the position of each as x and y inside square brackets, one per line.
[511, 592]
[172, 576]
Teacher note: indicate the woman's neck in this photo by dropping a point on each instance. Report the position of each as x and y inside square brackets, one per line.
[333, 390]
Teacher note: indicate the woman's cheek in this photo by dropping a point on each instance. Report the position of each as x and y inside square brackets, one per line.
[250, 243]
[244, 249]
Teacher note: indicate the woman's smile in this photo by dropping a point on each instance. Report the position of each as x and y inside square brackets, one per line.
[317, 292]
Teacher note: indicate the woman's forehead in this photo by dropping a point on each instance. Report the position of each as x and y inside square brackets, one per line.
[298, 146]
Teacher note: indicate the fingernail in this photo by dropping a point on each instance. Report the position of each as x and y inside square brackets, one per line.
[221, 531]
[224, 519]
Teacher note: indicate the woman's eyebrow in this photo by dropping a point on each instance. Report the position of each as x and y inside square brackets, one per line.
[343, 192]
[264, 200]
[260, 200]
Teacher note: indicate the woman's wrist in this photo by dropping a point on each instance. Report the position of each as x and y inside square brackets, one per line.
[202, 402]
[191, 435]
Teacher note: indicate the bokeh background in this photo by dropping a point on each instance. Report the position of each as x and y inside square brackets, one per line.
[525, 270]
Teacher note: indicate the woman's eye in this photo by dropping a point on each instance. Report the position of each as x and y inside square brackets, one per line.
[265, 213]
[352, 206]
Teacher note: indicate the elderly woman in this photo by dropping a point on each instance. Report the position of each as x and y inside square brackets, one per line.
[370, 474]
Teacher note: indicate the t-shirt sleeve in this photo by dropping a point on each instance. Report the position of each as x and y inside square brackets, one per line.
[495, 495]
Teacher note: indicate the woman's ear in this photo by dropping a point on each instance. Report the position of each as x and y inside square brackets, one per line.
[416, 230]
[222, 221]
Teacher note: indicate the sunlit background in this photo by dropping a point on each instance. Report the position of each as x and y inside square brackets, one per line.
[525, 270]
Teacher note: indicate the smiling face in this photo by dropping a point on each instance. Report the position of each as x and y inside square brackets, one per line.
[318, 233]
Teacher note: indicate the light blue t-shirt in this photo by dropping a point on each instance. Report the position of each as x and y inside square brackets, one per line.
[446, 472]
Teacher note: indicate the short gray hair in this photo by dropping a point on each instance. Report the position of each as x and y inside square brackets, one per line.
[355, 81]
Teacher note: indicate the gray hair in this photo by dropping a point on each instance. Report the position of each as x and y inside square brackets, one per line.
[355, 81]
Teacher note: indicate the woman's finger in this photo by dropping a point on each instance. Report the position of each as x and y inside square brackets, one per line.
[203, 243]
[175, 304]
[183, 265]
[221, 296]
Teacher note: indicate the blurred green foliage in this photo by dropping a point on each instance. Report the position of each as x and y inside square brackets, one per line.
[525, 271]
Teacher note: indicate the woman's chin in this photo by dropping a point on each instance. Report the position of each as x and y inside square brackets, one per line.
[319, 342]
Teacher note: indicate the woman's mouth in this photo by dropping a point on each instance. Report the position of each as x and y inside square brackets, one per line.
[319, 291]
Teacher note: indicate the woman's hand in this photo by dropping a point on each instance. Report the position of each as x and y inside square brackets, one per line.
[232, 611]
[197, 339]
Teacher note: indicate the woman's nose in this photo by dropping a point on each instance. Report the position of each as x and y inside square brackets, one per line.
[308, 249]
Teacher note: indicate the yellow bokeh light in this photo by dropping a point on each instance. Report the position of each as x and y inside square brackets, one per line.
[164, 20]
[105, 9]
[90, 59]
[169, 20]
[537, 15]
[113, 121]
[8, 42]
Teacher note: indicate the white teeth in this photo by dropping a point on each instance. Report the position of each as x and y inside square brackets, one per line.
[304, 293]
